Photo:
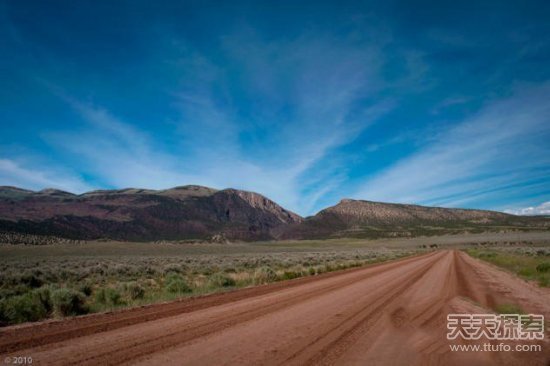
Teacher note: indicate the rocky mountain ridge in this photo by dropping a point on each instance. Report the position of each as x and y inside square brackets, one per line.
[187, 212]
[201, 213]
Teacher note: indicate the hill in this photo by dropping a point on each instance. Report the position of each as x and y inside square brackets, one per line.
[187, 212]
[364, 219]
[202, 213]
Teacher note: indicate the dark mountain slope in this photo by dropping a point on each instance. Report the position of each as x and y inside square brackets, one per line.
[195, 212]
[188, 212]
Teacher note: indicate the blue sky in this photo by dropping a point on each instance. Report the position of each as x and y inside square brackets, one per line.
[427, 102]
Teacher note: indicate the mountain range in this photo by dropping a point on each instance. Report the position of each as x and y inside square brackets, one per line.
[201, 213]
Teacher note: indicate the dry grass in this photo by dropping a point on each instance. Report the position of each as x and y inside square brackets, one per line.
[102, 276]
[529, 263]
[98, 276]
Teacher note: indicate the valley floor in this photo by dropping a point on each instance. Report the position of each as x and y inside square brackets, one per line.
[392, 311]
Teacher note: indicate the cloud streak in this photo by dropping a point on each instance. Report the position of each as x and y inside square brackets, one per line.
[309, 115]
[333, 102]
[13, 173]
[487, 149]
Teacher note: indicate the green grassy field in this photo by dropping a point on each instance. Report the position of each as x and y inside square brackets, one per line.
[529, 263]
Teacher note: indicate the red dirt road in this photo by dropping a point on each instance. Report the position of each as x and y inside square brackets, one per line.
[388, 314]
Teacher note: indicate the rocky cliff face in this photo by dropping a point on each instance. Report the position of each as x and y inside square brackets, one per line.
[188, 212]
[264, 204]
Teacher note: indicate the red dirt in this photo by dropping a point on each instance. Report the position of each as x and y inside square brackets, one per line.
[392, 313]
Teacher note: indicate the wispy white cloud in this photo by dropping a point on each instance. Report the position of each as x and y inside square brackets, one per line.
[284, 112]
[220, 147]
[303, 97]
[119, 154]
[542, 209]
[492, 146]
[15, 174]
[303, 91]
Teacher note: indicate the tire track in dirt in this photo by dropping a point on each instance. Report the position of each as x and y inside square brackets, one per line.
[420, 333]
[330, 345]
[146, 345]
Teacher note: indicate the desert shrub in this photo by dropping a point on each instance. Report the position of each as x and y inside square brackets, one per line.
[100, 296]
[65, 275]
[5, 293]
[509, 309]
[175, 283]
[290, 274]
[526, 272]
[543, 267]
[45, 296]
[329, 267]
[264, 275]
[220, 279]
[172, 268]
[113, 296]
[14, 291]
[68, 302]
[32, 279]
[108, 296]
[544, 281]
[23, 308]
[86, 289]
[135, 291]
